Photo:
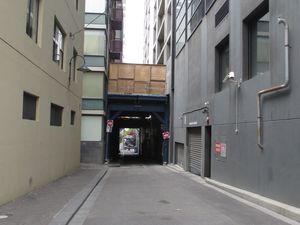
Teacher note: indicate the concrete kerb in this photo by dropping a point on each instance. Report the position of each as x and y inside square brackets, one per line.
[278, 207]
[64, 216]
[288, 211]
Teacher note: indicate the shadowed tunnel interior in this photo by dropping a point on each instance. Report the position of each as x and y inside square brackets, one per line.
[150, 138]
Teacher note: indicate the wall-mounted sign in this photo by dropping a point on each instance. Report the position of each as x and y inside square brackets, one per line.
[109, 126]
[221, 149]
[166, 135]
[218, 148]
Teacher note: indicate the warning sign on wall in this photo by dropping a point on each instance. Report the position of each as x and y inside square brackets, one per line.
[221, 149]
[218, 148]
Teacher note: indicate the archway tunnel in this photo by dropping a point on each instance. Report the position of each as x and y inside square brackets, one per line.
[136, 138]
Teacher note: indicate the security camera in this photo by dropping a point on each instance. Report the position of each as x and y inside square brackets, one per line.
[230, 76]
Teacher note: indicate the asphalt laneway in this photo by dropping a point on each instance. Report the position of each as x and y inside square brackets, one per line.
[156, 195]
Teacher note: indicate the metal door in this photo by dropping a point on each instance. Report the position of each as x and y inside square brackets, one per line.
[179, 154]
[195, 150]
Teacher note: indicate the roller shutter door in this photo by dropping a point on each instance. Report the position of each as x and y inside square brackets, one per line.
[195, 150]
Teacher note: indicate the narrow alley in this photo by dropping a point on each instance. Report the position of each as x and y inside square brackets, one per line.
[154, 195]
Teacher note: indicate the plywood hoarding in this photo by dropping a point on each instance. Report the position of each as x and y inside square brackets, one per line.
[137, 79]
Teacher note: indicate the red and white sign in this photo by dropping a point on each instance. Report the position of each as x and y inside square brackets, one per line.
[221, 149]
[166, 135]
[218, 147]
[109, 126]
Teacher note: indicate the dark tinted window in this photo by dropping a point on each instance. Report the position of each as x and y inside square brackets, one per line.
[56, 115]
[29, 106]
[73, 113]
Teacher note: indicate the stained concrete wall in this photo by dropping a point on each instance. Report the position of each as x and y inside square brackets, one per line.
[34, 153]
[274, 171]
[92, 152]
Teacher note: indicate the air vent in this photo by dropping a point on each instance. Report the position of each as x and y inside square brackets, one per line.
[223, 11]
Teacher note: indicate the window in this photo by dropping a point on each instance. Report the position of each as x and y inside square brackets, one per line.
[94, 42]
[208, 4]
[56, 115]
[259, 42]
[29, 106]
[195, 15]
[73, 113]
[222, 13]
[222, 63]
[92, 85]
[76, 4]
[95, 6]
[58, 45]
[32, 19]
[180, 25]
[91, 128]
[260, 46]
[92, 104]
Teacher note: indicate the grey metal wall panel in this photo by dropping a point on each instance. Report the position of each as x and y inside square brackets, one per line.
[273, 172]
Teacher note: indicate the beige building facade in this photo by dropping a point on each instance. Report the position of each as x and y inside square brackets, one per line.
[40, 92]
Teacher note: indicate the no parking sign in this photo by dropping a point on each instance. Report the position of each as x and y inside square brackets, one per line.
[109, 126]
[166, 135]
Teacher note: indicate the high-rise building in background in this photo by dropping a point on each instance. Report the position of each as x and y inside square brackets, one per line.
[158, 37]
[162, 30]
[148, 31]
[116, 30]
[40, 93]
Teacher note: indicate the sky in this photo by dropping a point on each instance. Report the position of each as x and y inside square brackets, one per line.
[133, 31]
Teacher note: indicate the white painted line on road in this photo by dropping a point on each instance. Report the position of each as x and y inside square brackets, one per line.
[81, 215]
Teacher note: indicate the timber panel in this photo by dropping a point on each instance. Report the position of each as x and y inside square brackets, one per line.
[142, 73]
[137, 79]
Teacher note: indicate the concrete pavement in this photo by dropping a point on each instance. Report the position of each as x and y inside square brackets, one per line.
[156, 195]
[41, 206]
[134, 195]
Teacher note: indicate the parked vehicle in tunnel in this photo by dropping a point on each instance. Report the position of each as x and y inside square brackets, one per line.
[129, 141]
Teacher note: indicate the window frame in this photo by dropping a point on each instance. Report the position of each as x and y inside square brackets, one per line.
[25, 114]
[249, 25]
[53, 121]
[58, 44]
[32, 19]
[221, 48]
[72, 117]
[76, 5]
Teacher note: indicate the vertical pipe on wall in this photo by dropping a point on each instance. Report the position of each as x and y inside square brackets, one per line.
[275, 88]
[173, 46]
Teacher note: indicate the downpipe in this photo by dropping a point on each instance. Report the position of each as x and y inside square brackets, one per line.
[275, 88]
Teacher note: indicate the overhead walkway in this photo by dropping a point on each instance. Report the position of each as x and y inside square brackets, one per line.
[137, 99]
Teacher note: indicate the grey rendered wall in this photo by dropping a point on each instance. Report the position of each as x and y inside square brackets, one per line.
[92, 152]
[180, 96]
[275, 171]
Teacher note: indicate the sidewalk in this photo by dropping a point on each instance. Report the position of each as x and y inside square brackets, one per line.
[40, 206]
